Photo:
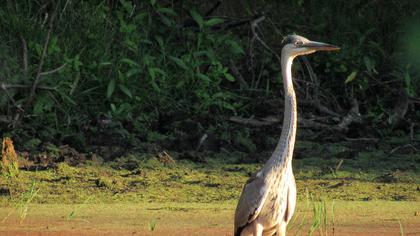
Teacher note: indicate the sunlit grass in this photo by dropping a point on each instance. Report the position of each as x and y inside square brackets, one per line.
[22, 206]
[76, 210]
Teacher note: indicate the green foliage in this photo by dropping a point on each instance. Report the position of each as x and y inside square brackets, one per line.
[122, 60]
[117, 67]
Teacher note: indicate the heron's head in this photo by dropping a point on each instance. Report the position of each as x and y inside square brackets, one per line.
[295, 45]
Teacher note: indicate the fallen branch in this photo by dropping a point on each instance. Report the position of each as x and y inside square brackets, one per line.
[375, 140]
[400, 108]
[255, 122]
[403, 146]
[414, 99]
[12, 86]
[310, 124]
[353, 116]
[271, 120]
[5, 119]
[53, 71]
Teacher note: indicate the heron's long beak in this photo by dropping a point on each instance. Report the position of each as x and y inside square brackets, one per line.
[318, 46]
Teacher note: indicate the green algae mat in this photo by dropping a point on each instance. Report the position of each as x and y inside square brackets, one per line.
[370, 193]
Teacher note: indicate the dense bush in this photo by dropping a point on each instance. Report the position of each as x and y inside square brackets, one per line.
[130, 70]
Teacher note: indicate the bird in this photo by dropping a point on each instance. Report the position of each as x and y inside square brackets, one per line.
[268, 198]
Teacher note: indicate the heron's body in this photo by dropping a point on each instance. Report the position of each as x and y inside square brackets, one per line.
[268, 199]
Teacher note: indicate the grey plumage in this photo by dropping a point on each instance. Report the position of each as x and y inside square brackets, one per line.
[268, 199]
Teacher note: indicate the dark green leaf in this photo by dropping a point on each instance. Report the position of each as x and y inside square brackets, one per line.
[125, 90]
[167, 11]
[203, 77]
[213, 22]
[129, 62]
[110, 89]
[235, 48]
[179, 62]
[198, 18]
[351, 77]
[229, 77]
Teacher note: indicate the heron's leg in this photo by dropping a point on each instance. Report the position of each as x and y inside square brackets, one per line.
[291, 198]
[258, 229]
[281, 229]
[254, 229]
[247, 231]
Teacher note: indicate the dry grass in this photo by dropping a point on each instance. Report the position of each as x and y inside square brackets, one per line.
[9, 159]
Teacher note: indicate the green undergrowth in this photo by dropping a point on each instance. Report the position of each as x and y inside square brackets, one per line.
[145, 178]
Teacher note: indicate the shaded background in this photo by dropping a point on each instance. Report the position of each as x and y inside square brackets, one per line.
[195, 75]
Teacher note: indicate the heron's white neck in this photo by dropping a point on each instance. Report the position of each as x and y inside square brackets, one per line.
[283, 153]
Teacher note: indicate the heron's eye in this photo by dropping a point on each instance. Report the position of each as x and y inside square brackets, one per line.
[298, 43]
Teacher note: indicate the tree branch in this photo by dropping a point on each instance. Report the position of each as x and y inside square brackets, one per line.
[53, 71]
[315, 101]
[42, 60]
[214, 8]
[12, 86]
[352, 116]
[24, 56]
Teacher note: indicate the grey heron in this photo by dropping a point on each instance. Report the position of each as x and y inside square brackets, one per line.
[268, 199]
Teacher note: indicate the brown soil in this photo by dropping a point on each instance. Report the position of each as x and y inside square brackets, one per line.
[138, 219]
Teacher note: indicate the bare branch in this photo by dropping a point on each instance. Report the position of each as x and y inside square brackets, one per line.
[237, 74]
[53, 71]
[214, 8]
[4, 88]
[24, 56]
[271, 120]
[254, 26]
[255, 122]
[5, 119]
[34, 86]
[403, 146]
[12, 86]
[42, 60]
[315, 101]
[352, 116]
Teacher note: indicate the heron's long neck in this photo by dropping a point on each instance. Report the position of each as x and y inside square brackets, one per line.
[283, 153]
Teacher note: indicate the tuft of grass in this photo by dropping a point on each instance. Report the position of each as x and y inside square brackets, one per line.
[401, 228]
[333, 217]
[152, 225]
[26, 199]
[320, 216]
[77, 209]
[22, 206]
